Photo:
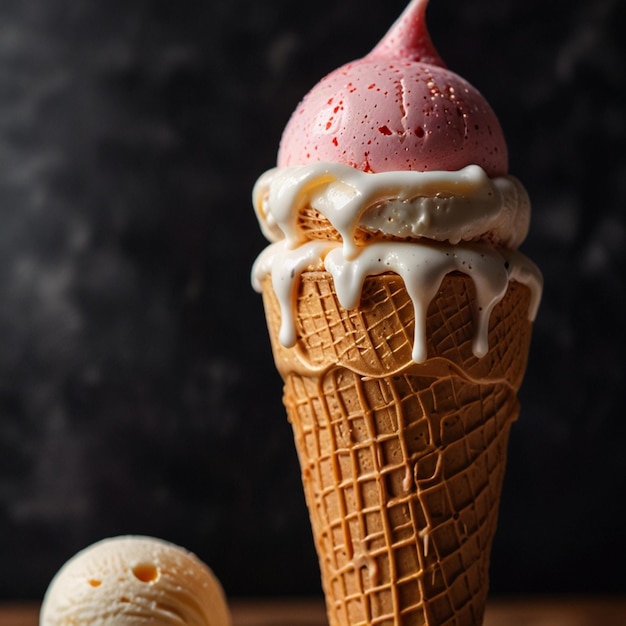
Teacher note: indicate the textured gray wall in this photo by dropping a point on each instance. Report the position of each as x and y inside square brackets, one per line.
[137, 389]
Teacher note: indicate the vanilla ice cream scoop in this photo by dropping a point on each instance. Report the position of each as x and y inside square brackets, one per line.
[130, 581]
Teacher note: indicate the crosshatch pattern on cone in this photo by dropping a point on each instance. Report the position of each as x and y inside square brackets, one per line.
[402, 463]
[402, 478]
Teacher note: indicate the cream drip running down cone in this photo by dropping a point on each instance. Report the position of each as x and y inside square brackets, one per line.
[400, 314]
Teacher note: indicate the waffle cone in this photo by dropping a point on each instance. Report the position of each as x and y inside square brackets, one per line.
[402, 463]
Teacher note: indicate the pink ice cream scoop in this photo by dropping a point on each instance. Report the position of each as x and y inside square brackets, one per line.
[398, 108]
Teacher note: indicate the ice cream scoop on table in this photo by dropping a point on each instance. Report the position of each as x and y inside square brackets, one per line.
[132, 581]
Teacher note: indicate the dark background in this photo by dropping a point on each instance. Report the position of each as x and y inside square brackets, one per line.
[137, 388]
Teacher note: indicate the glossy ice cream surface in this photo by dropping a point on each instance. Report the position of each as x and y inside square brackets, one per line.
[129, 581]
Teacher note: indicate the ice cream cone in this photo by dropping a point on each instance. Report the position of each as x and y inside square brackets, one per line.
[402, 462]
[400, 313]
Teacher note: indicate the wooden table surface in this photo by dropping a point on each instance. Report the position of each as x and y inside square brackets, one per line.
[518, 612]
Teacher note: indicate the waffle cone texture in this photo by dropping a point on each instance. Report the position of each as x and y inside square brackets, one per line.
[402, 463]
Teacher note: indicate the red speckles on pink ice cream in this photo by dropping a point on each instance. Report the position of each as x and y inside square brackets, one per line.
[398, 108]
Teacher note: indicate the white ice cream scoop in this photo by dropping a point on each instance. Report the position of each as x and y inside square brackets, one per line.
[131, 581]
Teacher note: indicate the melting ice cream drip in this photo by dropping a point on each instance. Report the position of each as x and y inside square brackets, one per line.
[343, 195]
